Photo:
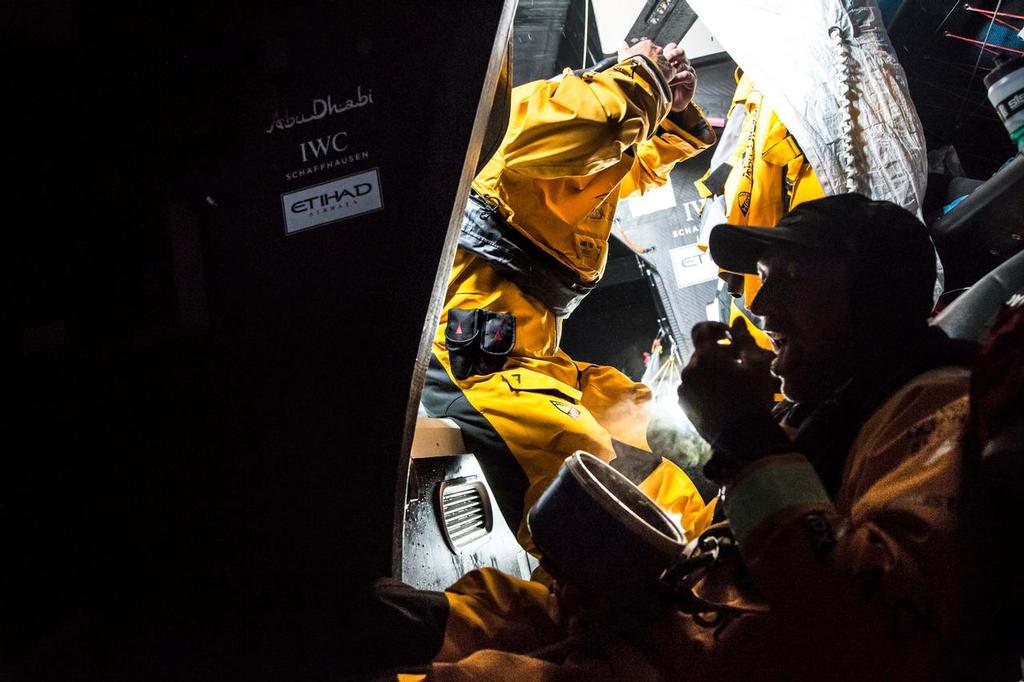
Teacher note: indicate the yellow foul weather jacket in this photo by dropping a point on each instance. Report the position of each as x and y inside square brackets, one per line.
[534, 242]
[763, 177]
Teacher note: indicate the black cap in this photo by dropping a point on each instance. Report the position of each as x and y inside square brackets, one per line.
[844, 222]
[891, 254]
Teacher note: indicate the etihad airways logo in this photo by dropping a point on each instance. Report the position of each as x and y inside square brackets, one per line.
[332, 201]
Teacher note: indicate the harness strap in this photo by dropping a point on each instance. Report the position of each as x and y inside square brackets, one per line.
[486, 234]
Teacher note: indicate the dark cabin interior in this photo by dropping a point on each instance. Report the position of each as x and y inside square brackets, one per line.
[204, 413]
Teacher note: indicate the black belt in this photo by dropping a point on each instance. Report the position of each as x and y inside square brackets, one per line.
[486, 234]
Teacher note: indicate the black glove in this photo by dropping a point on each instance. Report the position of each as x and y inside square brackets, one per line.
[745, 442]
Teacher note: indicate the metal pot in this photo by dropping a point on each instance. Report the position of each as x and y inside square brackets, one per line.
[596, 529]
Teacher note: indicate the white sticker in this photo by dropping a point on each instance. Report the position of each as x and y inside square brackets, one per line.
[692, 266]
[331, 201]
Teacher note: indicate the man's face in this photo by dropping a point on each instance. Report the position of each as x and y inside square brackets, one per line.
[805, 302]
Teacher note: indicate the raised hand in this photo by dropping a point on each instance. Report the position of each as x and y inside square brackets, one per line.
[655, 53]
[727, 379]
[684, 83]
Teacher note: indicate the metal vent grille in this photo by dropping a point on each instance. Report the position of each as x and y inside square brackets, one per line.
[465, 513]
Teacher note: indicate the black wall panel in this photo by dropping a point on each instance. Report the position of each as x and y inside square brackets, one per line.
[205, 409]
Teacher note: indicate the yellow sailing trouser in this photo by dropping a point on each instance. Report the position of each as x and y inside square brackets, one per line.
[522, 421]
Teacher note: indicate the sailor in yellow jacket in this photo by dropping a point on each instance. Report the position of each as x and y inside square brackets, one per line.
[533, 243]
[846, 514]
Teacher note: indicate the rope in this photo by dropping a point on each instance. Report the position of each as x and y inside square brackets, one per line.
[974, 72]
[666, 370]
[586, 30]
[847, 156]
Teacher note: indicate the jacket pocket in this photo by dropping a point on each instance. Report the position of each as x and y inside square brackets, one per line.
[531, 381]
[462, 339]
[497, 340]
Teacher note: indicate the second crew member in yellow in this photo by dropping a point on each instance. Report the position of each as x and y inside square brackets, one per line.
[763, 177]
